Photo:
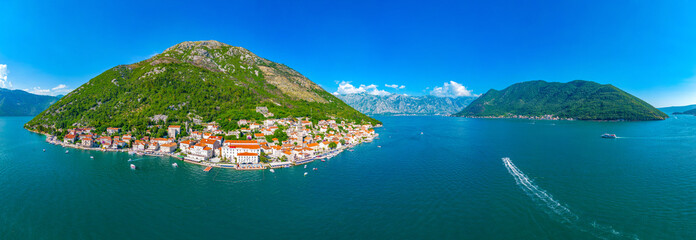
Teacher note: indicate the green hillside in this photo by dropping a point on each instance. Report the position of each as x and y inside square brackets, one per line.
[194, 82]
[578, 99]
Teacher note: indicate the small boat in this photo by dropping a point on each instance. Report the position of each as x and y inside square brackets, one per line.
[379, 146]
[323, 160]
[175, 165]
[272, 170]
[91, 157]
[44, 150]
[607, 135]
[421, 133]
[305, 173]
[66, 151]
[132, 166]
[314, 169]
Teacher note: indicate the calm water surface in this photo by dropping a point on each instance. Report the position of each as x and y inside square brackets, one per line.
[562, 182]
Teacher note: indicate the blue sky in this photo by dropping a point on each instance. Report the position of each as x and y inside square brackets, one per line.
[647, 48]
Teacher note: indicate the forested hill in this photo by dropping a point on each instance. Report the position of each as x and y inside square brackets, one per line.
[21, 103]
[194, 82]
[584, 100]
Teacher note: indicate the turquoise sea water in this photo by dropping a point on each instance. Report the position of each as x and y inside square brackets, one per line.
[562, 182]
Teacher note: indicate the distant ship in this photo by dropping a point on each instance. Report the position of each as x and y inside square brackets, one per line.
[607, 135]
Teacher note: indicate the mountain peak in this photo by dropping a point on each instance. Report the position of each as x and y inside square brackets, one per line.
[213, 44]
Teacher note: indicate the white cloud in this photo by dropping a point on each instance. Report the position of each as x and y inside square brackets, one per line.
[347, 88]
[379, 92]
[3, 77]
[39, 91]
[451, 89]
[57, 90]
[60, 86]
[395, 86]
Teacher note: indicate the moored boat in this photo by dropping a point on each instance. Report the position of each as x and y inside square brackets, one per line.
[132, 166]
[175, 165]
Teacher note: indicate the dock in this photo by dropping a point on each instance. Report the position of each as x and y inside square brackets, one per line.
[208, 169]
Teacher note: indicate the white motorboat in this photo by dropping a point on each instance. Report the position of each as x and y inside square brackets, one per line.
[305, 173]
[272, 170]
[175, 165]
[132, 166]
[607, 135]
[66, 151]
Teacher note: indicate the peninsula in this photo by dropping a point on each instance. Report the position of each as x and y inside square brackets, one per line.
[206, 102]
[581, 100]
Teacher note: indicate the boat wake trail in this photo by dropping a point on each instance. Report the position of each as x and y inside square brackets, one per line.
[560, 211]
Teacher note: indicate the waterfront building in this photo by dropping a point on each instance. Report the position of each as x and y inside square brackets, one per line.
[247, 158]
[70, 138]
[173, 131]
[167, 147]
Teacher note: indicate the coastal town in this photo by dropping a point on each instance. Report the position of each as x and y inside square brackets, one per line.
[255, 145]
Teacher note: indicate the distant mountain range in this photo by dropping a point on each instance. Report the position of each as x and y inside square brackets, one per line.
[688, 112]
[21, 103]
[584, 100]
[677, 109]
[399, 104]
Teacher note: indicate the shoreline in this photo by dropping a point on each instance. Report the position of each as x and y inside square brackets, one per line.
[264, 166]
[561, 119]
